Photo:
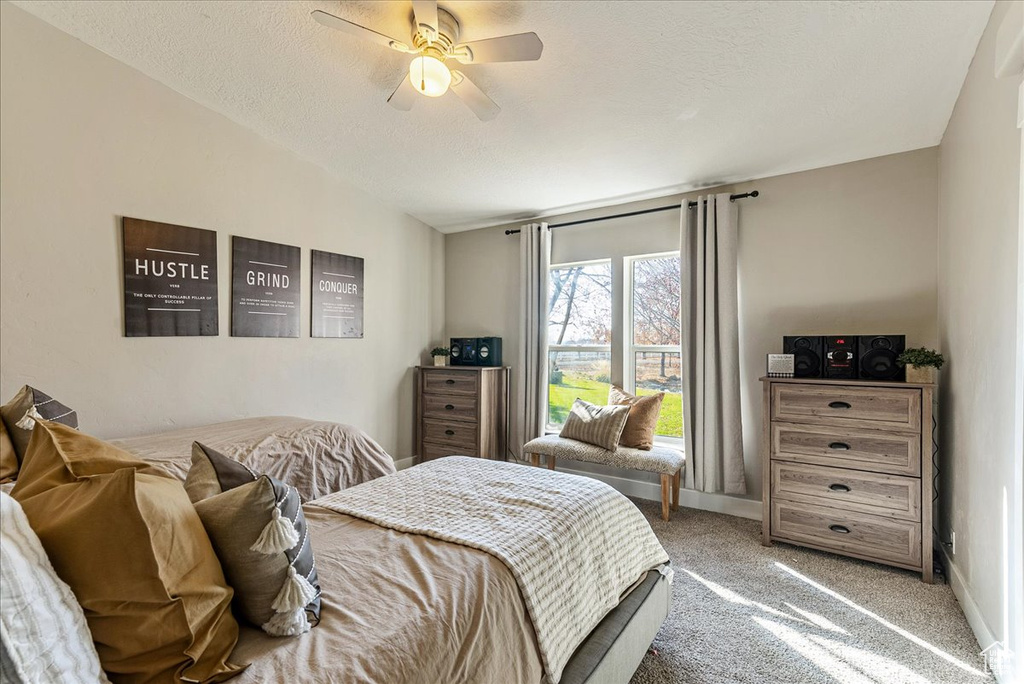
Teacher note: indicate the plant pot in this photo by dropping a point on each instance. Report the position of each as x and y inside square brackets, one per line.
[440, 360]
[922, 374]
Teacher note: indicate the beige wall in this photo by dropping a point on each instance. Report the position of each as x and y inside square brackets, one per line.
[846, 249]
[979, 172]
[87, 140]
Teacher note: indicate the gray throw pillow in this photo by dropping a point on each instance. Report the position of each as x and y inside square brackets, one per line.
[259, 532]
[20, 414]
[597, 425]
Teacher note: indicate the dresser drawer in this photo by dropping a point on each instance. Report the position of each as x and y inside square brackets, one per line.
[894, 452]
[889, 495]
[858, 534]
[450, 382]
[450, 432]
[449, 406]
[885, 408]
[432, 451]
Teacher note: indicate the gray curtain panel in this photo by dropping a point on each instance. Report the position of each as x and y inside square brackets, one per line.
[709, 311]
[532, 366]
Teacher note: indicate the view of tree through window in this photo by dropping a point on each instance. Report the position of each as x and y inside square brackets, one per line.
[655, 337]
[579, 336]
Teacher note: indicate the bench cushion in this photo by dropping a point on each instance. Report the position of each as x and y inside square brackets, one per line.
[656, 460]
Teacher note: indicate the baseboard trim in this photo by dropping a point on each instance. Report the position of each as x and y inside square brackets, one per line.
[977, 623]
[716, 503]
[403, 463]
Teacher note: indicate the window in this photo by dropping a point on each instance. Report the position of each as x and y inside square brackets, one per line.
[588, 349]
[579, 336]
[652, 361]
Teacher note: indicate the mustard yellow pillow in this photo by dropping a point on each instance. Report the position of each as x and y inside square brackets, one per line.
[642, 420]
[125, 537]
[8, 459]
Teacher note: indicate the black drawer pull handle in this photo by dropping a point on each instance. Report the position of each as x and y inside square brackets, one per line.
[838, 405]
[839, 488]
[448, 407]
[449, 432]
[840, 529]
[841, 446]
[449, 381]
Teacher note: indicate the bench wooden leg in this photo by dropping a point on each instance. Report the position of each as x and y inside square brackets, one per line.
[535, 459]
[675, 490]
[666, 486]
[551, 462]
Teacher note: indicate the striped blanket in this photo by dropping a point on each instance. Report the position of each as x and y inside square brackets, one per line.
[573, 544]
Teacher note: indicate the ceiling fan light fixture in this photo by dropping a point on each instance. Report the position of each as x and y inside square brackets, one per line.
[429, 76]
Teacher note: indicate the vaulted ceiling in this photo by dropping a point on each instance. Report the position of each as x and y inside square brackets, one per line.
[629, 100]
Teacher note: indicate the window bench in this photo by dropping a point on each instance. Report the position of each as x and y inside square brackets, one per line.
[667, 462]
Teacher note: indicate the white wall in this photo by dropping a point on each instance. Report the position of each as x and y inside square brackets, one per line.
[846, 249]
[86, 140]
[979, 173]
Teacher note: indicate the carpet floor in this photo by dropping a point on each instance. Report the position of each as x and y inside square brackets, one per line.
[743, 613]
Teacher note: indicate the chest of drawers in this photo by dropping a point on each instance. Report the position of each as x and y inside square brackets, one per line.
[848, 469]
[461, 410]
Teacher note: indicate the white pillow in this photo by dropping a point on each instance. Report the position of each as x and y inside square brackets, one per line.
[44, 634]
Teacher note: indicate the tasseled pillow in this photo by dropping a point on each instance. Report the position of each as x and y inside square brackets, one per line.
[259, 533]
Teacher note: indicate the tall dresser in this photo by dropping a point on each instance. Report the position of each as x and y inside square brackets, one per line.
[848, 468]
[461, 410]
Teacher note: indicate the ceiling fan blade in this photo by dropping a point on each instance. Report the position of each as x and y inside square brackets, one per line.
[474, 98]
[426, 18]
[521, 47]
[404, 96]
[339, 24]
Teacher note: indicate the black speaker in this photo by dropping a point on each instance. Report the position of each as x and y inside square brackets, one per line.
[463, 351]
[807, 355]
[877, 357]
[488, 351]
[840, 356]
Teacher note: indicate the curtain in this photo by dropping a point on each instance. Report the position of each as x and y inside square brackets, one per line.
[709, 313]
[532, 366]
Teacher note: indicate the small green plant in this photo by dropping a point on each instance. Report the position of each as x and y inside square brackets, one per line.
[439, 351]
[921, 357]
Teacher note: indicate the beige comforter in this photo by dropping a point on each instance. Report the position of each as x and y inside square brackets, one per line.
[400, 609]
[316, 457]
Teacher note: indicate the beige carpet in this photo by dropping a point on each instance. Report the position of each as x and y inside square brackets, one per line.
[745, 613]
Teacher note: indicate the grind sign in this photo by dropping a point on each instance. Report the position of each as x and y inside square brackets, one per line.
[264, 288]
[170, 279]
[337, 309]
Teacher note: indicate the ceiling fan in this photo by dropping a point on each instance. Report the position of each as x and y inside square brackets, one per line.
[435, 36]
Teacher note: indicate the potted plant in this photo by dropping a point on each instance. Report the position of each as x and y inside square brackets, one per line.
[921, 364]
[440, 355]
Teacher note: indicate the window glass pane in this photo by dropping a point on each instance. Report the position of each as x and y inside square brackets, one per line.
[571, 374]
[661, 372]
[580, 305]
[656, 300]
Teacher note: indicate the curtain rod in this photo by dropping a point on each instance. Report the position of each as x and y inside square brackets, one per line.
[732, 198]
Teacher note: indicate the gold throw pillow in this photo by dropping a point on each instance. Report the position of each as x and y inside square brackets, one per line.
[125, 537]
[8, 459]
[643, 417]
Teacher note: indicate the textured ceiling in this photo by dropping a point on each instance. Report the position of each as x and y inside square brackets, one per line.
[630, 99]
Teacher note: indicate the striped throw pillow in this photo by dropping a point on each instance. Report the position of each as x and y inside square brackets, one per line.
[597, 425]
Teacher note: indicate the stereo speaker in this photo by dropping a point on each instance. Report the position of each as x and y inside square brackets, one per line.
[840, 356]
[807, 355]
[463, 351]
[877, 356]
[488, 351]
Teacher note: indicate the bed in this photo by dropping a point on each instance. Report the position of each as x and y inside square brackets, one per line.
[403, 605]
[316, 457]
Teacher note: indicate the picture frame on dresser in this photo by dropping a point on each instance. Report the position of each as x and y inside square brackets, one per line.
[462, 410]
[847, 468]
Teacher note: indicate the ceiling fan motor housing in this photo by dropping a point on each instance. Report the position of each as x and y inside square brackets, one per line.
[447, 36]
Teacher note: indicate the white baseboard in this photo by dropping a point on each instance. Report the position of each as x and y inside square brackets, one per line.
[403, 463]
[977, 623]
[716, 503]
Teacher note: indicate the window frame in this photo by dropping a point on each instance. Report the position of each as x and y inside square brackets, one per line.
[629, 347]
